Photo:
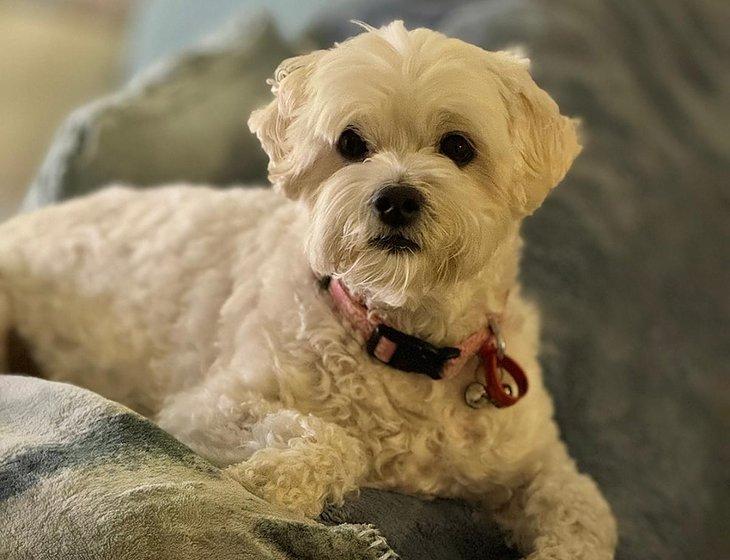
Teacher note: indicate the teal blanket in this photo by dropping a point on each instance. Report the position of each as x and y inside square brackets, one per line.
[83, 478]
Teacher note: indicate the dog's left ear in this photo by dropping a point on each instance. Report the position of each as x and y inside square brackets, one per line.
[546, 141]
[272, 124]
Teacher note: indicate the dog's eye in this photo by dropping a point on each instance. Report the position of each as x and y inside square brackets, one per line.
[457, 148]
[352, 146]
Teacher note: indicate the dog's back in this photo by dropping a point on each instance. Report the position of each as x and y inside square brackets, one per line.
[96, 288]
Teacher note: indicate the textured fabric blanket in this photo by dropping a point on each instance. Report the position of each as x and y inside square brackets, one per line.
[84, 478]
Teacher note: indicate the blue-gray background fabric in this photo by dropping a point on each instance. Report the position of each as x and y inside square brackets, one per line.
[625, 258]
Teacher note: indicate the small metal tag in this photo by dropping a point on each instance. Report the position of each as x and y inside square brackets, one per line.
[476, 395]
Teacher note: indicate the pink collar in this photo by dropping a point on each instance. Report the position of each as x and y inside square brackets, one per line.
[408, 353]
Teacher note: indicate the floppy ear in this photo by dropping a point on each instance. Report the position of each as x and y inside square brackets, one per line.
[272, 124]
[546, 142]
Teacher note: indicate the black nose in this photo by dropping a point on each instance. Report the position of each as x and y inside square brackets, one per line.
[398, 205]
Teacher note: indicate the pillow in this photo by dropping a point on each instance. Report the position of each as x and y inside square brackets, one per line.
[184, 119]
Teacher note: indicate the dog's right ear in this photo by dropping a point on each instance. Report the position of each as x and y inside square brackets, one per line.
[546, 142]
[272, 124]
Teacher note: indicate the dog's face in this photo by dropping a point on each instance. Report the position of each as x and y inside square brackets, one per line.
[416, 155]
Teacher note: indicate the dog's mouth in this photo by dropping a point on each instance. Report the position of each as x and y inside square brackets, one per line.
[395, 244]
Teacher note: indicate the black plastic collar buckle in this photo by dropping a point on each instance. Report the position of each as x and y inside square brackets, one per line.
[411, 353]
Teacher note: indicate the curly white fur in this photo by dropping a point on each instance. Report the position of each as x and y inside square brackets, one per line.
[200, 308]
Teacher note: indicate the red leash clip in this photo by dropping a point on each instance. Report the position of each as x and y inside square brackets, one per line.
[495, 361]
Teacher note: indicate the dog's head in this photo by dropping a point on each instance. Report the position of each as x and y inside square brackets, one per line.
[416, 155]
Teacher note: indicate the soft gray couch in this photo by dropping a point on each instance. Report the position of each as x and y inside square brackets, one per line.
[625, 258]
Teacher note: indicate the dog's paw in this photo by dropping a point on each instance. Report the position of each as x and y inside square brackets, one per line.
[282, 483]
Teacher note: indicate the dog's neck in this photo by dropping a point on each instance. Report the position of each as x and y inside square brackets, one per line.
[447, 315]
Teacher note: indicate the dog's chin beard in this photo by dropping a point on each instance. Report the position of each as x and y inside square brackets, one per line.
[394, 244]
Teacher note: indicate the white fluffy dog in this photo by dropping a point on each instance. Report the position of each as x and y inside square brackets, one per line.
[409, 160]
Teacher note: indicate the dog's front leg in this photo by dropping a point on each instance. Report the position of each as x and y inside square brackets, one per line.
[560, 514]
[295, 460]
[306, 463]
